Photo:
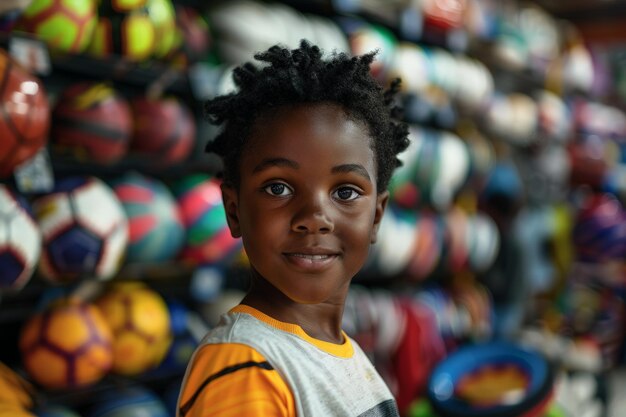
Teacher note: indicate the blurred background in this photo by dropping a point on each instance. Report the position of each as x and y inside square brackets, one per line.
[497, 284]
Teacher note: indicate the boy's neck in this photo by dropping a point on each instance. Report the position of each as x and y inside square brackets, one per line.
[320, 321]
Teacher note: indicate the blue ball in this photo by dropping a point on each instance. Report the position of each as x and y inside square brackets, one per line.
[132, 401]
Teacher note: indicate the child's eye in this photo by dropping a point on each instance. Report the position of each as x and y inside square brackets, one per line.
[347, 193]
[277, 189]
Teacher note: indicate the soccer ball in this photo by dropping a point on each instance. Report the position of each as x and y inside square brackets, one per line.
[208, 238]
[24, 115]
[168, 141]
[163, 17]
[14, 390]
[20, 241]
[67, 345]
[94, 121]
[65, 25]
[140, 321]
[154, 222]
[130, 34]
[84, 229]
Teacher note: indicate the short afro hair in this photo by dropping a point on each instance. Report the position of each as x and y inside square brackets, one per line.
[299, 77]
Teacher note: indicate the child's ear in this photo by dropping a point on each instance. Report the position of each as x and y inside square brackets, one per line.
[381, 205]
[231, 205]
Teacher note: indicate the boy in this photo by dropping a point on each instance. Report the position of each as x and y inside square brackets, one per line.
[308, 148]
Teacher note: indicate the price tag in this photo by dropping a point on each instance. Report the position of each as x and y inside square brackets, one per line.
[30, 53]
[35, 175]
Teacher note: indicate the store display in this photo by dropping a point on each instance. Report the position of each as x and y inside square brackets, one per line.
[155, 228]
[20, 240]
[140, 322]
[84, 228]
[24, 115]
[506, 215]
[93, 122]
[67, 346]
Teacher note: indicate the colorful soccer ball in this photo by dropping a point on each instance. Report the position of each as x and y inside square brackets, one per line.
[140, 322]
[129, 34]
[208, 238]
[94, 121]
[20, 240]
[24, 115]
[65, 25]
[68, 345]
[154, 222]
[172, 138]
[84, 229]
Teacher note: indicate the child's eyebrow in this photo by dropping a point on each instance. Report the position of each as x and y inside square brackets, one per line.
[275, 162]
[356, 168]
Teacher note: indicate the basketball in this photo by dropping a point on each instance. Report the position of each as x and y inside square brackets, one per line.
[140, 321]
[20, 240]
[156, 231]
[171, 139]
[65, 25]
[24, 115]
[126, 33]
[93, 121]
[208, 238]
[67, 345]
[84, 228]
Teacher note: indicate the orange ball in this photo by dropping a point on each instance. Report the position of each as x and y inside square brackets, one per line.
[68, 345]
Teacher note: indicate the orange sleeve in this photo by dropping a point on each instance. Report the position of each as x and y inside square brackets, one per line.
[232, 379]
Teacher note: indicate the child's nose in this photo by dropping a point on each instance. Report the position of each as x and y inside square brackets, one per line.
[313, 216]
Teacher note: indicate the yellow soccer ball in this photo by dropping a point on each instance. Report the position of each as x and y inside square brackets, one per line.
[140, 321]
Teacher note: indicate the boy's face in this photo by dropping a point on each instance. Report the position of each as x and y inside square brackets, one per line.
[307, 207]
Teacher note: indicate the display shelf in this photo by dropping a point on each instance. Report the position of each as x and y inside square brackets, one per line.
[49, 64]
[66, 164]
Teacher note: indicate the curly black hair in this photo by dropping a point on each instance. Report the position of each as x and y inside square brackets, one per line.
[302, 76]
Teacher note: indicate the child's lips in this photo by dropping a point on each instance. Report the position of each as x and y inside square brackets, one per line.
[311, 260]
